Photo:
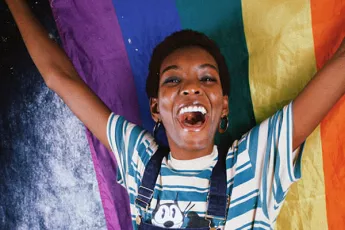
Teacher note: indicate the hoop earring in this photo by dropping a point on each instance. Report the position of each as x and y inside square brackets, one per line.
[223, 124]
[156, 127]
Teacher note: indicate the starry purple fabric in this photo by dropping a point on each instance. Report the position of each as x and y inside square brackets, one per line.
[92, 38]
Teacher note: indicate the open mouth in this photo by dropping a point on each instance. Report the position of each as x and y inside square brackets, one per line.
[192, 116]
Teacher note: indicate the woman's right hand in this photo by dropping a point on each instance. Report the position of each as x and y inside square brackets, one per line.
[59, 73]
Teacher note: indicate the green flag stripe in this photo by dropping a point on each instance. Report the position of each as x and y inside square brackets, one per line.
[223, 23]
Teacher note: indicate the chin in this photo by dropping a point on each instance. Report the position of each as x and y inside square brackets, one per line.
[191, 138]
[194, 143]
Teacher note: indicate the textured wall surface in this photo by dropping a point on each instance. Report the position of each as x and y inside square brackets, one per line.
[47, 179]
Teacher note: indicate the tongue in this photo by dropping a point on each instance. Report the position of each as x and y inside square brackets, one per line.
[193, 118]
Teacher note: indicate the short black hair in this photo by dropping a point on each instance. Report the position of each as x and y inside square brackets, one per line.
[182, 39]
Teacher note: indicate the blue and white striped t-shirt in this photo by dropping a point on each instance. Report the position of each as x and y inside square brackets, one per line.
[260, 172]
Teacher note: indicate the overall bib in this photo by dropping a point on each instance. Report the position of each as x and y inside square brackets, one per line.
[218, 199]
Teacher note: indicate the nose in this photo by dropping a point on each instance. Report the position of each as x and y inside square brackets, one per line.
[191, 89]
[187, 92]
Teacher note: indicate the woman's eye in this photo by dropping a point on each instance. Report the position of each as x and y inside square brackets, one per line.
[172, 80]
[208, 79]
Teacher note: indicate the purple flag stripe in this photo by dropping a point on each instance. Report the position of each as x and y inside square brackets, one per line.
[92, 38]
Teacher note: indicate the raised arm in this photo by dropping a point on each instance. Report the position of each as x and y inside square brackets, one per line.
[59, 73]
[319, 96]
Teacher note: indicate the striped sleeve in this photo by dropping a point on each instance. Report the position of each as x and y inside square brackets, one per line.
[277, 166]
[132, 147]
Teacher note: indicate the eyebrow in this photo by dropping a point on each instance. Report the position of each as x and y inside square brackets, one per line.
[208, 65]
[169, 68]
[175, 67]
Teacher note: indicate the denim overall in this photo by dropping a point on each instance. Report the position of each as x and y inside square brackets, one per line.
[218, 200]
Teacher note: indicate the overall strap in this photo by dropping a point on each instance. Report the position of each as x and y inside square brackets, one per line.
[148, 182]
[218, 199]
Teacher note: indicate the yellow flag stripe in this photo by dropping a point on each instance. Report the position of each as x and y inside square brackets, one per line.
[281, 62]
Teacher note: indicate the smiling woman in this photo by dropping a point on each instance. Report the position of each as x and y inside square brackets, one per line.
[190, 101]
[192, 184]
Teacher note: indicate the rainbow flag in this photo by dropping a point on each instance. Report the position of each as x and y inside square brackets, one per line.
[272, 47]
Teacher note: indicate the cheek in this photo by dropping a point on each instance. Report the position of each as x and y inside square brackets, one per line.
[217, 101]
[165, 101]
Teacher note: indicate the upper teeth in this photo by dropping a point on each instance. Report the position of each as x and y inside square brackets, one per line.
[190, 109]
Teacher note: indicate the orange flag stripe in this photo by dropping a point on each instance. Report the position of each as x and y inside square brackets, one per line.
[328, 22]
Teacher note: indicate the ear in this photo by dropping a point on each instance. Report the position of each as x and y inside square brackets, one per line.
[225, 110]
[154, 109]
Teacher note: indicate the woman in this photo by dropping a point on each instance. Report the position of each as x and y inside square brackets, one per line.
[193, 184]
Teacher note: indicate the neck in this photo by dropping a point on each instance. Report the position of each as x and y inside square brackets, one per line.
[182, 153]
